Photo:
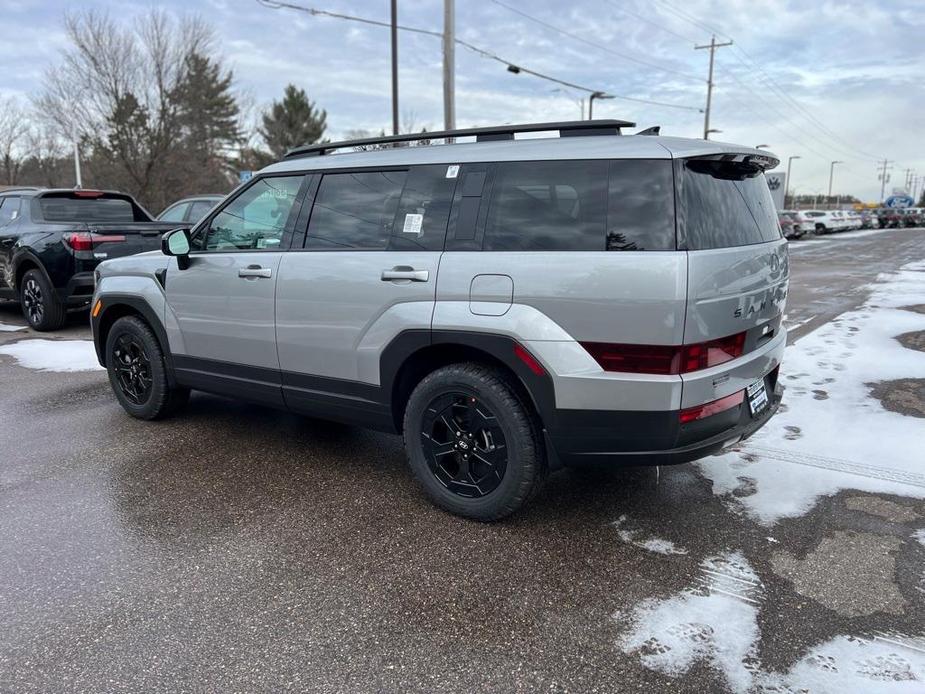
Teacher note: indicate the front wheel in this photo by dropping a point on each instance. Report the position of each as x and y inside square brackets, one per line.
[138, 372]
[472, 443]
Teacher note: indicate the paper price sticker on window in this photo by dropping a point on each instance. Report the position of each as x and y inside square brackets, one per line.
[452, 171]
[414, 224]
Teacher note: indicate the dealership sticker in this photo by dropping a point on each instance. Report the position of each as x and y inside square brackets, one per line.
[413, 224]
[452, 171]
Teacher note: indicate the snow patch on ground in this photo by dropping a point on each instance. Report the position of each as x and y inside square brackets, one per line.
[887, 664]
[652, 544]
[713, 621]
[54, 355]
[833, 434]
[919, 535]
[7, 328]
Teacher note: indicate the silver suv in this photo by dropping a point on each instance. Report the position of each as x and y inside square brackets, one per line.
[510, 305]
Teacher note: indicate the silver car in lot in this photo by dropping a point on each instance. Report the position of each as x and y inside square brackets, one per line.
[509, 305]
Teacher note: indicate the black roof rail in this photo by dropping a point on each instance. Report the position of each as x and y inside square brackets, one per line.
[495, 132]
[654, 130]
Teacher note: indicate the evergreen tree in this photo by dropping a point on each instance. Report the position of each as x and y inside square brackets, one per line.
[292, 122]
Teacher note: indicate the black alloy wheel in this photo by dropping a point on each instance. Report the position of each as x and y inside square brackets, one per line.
[33, 301]
[133, 368]
[464, 444]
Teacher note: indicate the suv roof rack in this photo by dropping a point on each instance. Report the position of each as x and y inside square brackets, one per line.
[487, 134]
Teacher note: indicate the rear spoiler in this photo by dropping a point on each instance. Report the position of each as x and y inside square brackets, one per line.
[758, 160]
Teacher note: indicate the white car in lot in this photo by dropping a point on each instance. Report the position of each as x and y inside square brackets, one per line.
[827, 221]
[803, 222]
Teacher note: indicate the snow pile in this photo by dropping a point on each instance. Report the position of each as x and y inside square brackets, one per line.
[714, 621]
[7, 328]
[54, 355]
[652, 544]
[833, 435]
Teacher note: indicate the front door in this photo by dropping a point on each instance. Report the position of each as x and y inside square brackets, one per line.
[220, 309]
[367, 272]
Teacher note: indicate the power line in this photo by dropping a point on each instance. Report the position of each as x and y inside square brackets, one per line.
[751, 64]
[484, 53]
[594, 44]
[645, 19]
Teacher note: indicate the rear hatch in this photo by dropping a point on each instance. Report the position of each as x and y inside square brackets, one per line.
[105, 224]
[738, 270]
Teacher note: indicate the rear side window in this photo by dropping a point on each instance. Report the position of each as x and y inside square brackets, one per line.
[423, 210]
[548, 206]
[177, 213]
[355, 210]
[61, 209]
[724, 204]
[198, 209]
[640, 208]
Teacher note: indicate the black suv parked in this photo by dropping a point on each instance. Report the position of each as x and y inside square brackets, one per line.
[52, 240]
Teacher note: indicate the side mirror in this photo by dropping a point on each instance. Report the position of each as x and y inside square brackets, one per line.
[176, 242]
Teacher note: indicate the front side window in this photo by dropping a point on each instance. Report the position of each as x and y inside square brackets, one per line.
[725, 204]
[548, 206]
[355, 210]
[256, 219]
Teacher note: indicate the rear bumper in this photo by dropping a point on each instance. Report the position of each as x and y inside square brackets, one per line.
[611, 438]
[79, 290]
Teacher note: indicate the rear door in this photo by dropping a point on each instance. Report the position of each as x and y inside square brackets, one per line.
[738, 268]
[220, 309]
[367, 272]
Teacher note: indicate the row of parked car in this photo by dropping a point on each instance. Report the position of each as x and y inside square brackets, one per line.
[796, 223]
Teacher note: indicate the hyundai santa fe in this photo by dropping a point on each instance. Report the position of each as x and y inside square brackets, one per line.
[509, 305]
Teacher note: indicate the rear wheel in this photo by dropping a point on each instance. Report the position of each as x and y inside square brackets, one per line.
[138, 372]
[472, 443]
[40, 304]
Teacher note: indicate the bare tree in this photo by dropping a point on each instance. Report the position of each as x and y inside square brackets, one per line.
[113, 92]
[14, 129]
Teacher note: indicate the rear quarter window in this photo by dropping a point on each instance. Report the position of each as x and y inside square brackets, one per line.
[723, 205]
[621, 205]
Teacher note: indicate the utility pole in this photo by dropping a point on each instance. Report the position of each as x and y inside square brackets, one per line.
[831, 173]
[884, 176]
[77, 181]
[395, 67]
[449, 65]
[787, 185]
[706, 114]
[906, 179]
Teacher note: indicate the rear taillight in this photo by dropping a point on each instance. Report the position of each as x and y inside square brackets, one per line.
[85, 241]
[692, 414]
[666, 359]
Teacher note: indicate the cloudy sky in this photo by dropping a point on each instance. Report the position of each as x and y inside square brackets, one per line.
[821, 80]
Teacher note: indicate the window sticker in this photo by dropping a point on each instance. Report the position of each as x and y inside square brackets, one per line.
[414, 224]
[452, 171]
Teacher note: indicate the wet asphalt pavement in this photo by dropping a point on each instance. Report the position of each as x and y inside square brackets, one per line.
[237, 548]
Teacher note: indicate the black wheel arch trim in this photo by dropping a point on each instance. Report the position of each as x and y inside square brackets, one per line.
[142, 308]
[22, 255]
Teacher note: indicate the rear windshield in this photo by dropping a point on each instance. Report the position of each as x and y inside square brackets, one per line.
[724, 204]
[65, 209]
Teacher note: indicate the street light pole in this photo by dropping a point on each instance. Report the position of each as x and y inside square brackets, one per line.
[77, 181]
[595, 95]
[449, 65]
[395, 67]
[831, 174]
[787, 183]
[706, 114]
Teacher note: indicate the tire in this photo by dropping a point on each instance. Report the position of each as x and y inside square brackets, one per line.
[506, 464]
[40, 305]
[138, 371]
[820, 228]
